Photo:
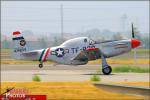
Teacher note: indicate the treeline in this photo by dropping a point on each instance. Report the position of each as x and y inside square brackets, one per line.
[144, 39]
[44, 41]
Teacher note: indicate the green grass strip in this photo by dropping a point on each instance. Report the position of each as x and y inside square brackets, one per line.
[134, 69]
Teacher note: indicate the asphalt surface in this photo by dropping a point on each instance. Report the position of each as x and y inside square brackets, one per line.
[64, 73]
[124, 89]
[58, 67]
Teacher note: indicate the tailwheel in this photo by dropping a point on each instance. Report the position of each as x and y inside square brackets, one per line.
[40, 65]
[107, 70]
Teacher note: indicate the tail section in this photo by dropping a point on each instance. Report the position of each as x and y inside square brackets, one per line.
[19, 45]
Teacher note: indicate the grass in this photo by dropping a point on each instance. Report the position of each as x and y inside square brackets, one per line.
[141, 51]
[121, 61]
[95, 78]
[68, 90]
[5, 51]
[110, 61]
[133, 69]
[22, 62]
[127, 69]
[36, 78]
[134, 83]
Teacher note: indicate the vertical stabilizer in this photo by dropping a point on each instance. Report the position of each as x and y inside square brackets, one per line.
[19, 45]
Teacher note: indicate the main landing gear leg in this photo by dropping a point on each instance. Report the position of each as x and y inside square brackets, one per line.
[106, 69]
[41, 65]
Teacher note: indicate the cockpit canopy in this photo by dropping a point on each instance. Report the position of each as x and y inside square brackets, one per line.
[79, 41]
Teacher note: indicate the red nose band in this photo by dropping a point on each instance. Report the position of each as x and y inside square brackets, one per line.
[135, 43]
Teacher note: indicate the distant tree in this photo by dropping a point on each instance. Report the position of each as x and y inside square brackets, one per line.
[6, 44]
[117, 36]
[55, 41]
[27, 33]
[93, 31]
[103, 39]
[140, 37]
[144, 39]
[42, 42]
[146, 42]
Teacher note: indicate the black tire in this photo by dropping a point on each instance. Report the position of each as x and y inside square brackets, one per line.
[40, 65]
[107, 70]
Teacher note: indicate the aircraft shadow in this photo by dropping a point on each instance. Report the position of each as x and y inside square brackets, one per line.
[39, 74]
[96, 74]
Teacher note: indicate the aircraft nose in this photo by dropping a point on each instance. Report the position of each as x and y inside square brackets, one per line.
[135, 43]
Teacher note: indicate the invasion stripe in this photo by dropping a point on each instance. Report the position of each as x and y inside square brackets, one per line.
[17, 38]
[42, 55]
[46, 54]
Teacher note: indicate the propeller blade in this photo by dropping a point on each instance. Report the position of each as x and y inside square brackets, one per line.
[132, 31]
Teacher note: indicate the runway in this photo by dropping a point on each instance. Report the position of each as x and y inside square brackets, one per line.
[125, 89]
[48, 67]
[64, 73]
[58, 67]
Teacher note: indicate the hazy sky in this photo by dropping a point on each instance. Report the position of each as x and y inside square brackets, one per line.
[79, 16]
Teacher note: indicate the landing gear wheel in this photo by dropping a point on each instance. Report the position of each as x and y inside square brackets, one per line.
[40, 65]
[107, 70]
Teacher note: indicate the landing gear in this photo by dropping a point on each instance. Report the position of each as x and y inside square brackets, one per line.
[106, 69]
[40, 65]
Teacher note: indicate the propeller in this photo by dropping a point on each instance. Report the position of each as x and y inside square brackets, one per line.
[133, 31]
[135, 43]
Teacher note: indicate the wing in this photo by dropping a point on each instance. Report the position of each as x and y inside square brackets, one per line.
[31, 55]
[88, 54]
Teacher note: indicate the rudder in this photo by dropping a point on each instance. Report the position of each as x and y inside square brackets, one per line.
[19, 45]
